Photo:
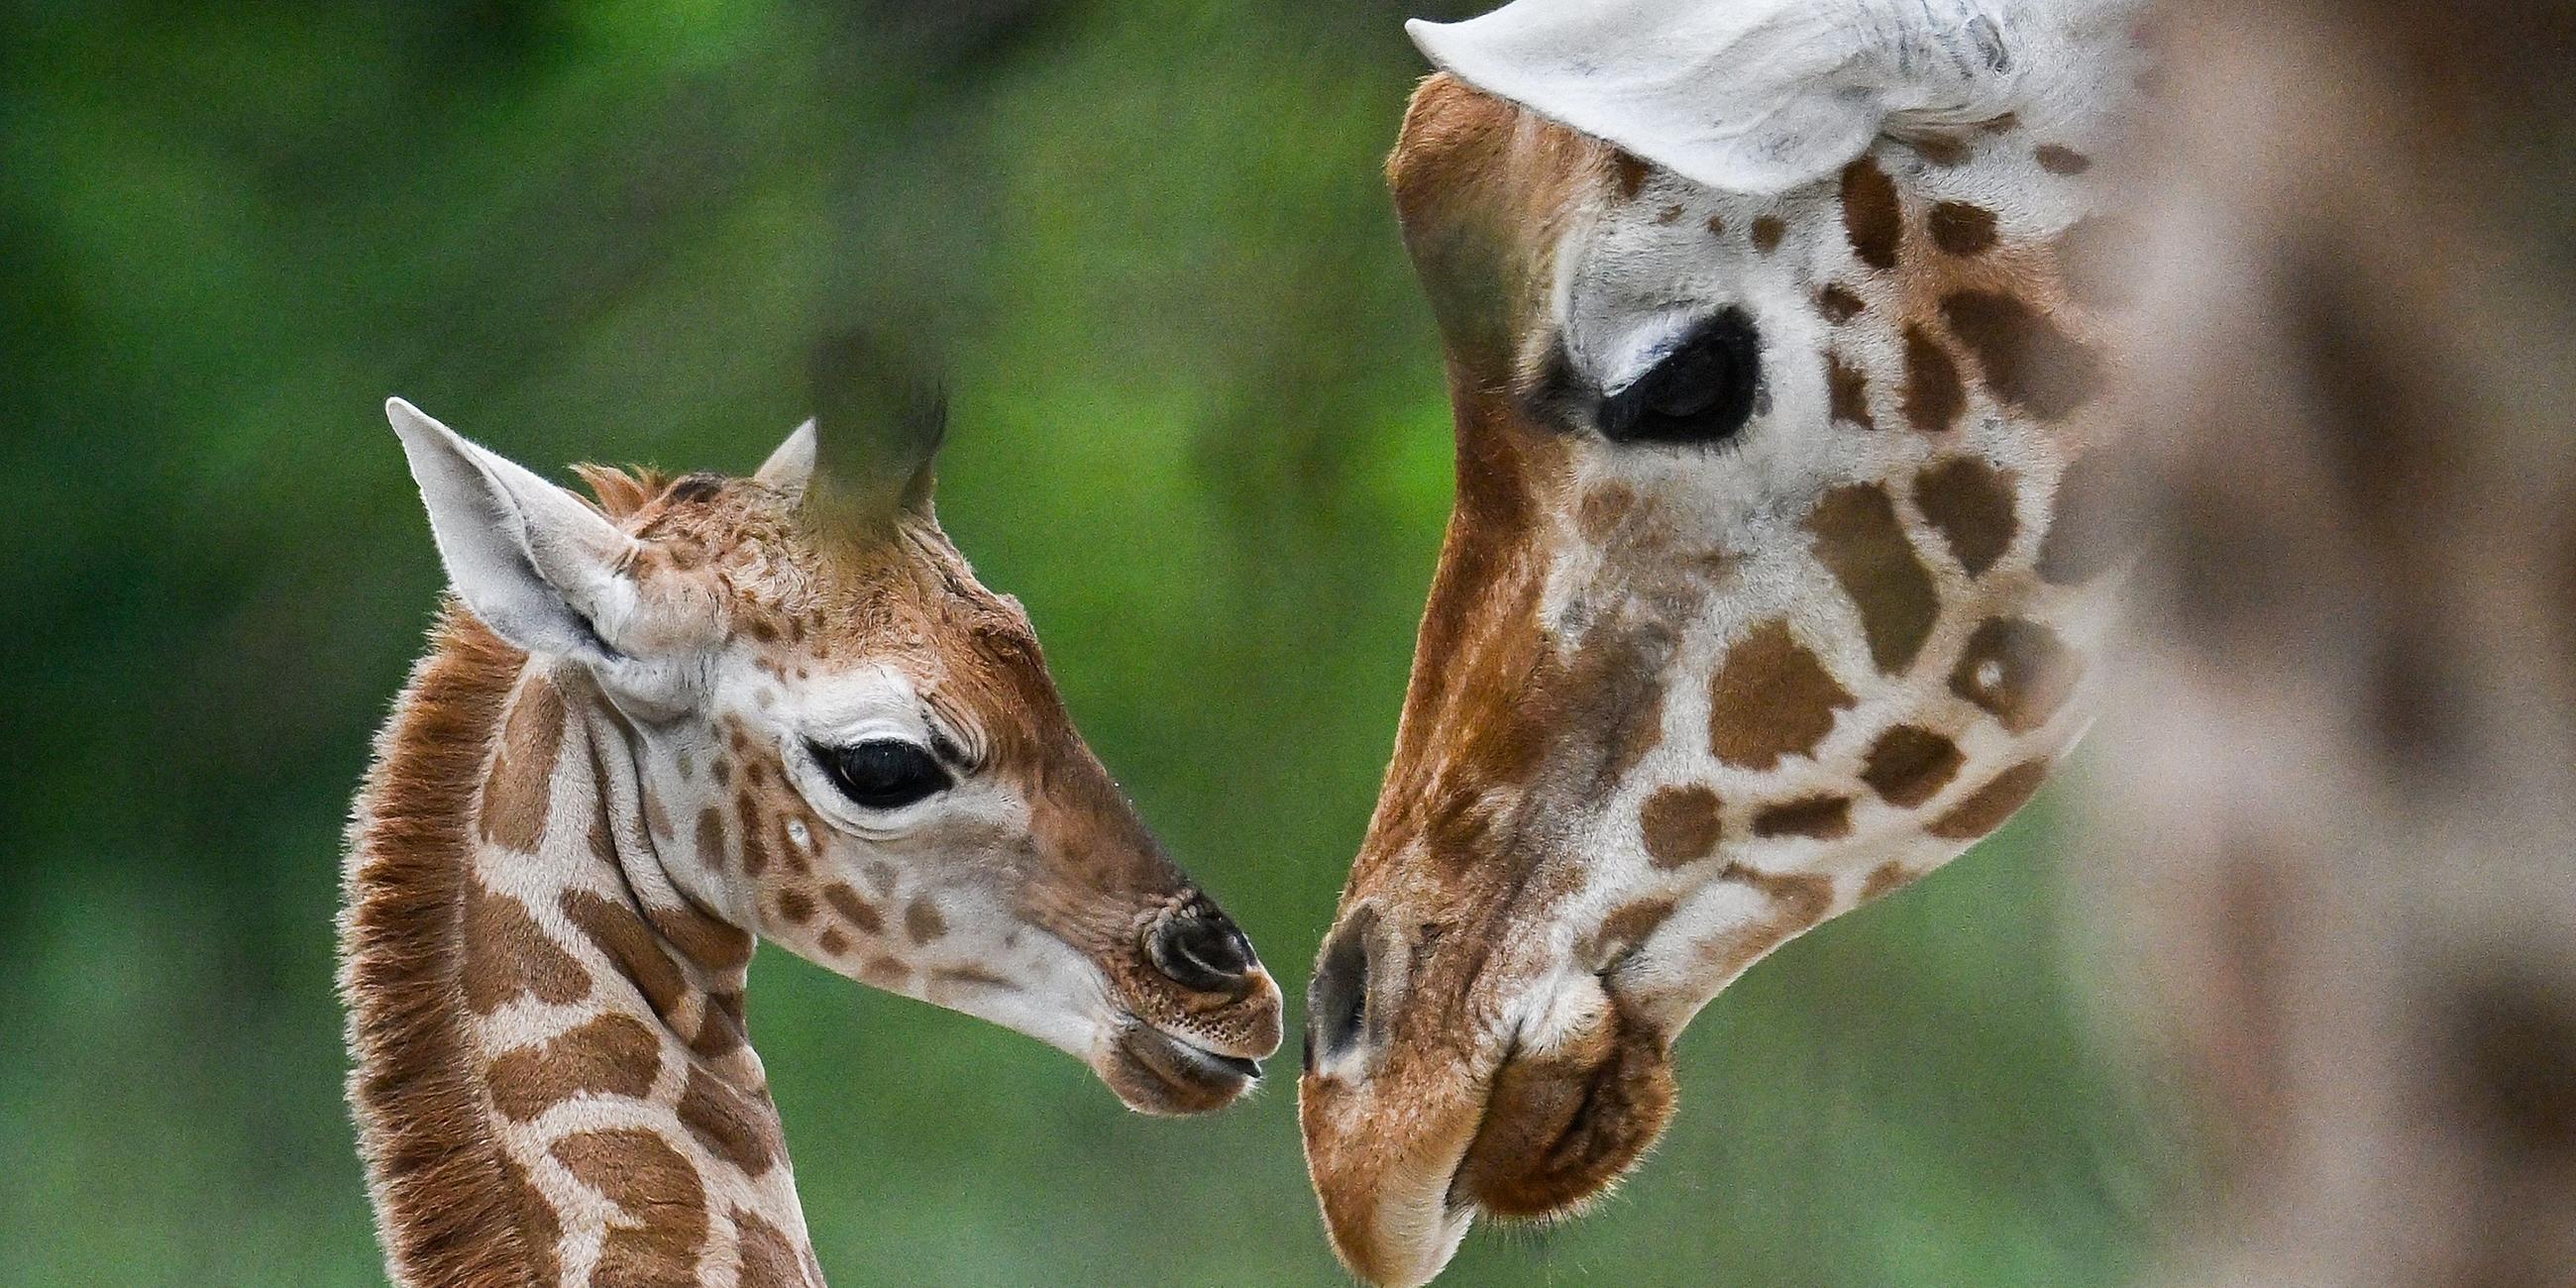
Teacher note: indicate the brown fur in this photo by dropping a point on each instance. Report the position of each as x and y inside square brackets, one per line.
[1771, 698]
[1986, 808]
[444, 1193]
[1847, 387]
[1871, 216]
[1859, 538]
[660, 1193]
[1971, 503]
[1679, 824]
[1934, 395]
[1908, 766]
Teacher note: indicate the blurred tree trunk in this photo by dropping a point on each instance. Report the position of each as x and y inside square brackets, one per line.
[2337, 813]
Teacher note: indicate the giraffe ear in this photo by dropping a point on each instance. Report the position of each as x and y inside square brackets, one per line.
[541, 568]
[1753, 96]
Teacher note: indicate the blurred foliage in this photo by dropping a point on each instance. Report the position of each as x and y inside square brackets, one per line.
[1199, 429]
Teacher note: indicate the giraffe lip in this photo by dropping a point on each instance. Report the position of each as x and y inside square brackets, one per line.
[1158, 1073]
[1559, 1128]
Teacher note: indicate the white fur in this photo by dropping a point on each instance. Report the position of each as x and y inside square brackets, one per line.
[1761, 96]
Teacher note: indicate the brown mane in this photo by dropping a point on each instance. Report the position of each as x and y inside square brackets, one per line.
[449, 1202]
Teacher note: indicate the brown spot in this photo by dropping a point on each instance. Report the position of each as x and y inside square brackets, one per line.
[796, 906]
[720, 1026]
[1670, 214]
[2084, 537]
[1870, 213]
[701, 938]
[1985, 809]
[1883, 878]
[1908, 766]
[2029, 361]
[755, 851]
[516, 795]
[886, 972]
[735, 1128]
[1859, 538]
[1679, 824]
[2057, 158]
[1933, 395]
[767, 1259]
[631, 947]
[724, 772]
[1962, 229]
[853, 908]
[1839, 304]
[614, 1055]
[1971, 504]
[833, 943]
[922, 922]
[1716, 226]
[1630, 173]
[2017, 671]
[507, 955]
[1823, 818]
[1624, 930]
[1767, 231]
[666, 1206]
[1849, 390]
[2004, 124]
[1771, 698]
[711, 846]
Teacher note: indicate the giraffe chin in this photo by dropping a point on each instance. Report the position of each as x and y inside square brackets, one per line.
[1561, 1126]
[1157, 1073]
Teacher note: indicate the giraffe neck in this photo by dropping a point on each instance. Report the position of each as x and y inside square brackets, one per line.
[553, 1081]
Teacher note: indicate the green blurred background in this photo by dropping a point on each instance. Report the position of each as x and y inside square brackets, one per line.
[1199, 430]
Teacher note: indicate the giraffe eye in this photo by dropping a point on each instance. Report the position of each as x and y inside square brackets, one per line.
[883, 773]
[1702, 392]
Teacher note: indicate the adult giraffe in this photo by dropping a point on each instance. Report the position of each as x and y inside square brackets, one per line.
[657, 727]
[1772, 582]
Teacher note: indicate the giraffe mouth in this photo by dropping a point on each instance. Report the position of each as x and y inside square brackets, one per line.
[1560, 1127]
[1157, 1073]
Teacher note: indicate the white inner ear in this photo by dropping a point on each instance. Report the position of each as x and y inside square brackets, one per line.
[1750, 96]
[539, 567]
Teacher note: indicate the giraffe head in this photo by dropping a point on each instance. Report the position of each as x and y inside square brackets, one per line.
[841, 741]
[1769, 585]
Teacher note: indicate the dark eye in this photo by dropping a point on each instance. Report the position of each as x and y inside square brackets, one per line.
[883, 773]
[1702, 392]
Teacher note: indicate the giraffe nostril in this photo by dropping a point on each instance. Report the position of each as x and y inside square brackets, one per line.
[1337, 999]
[1199, 948]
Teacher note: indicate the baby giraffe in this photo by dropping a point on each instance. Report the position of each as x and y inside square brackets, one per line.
[655, 727]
